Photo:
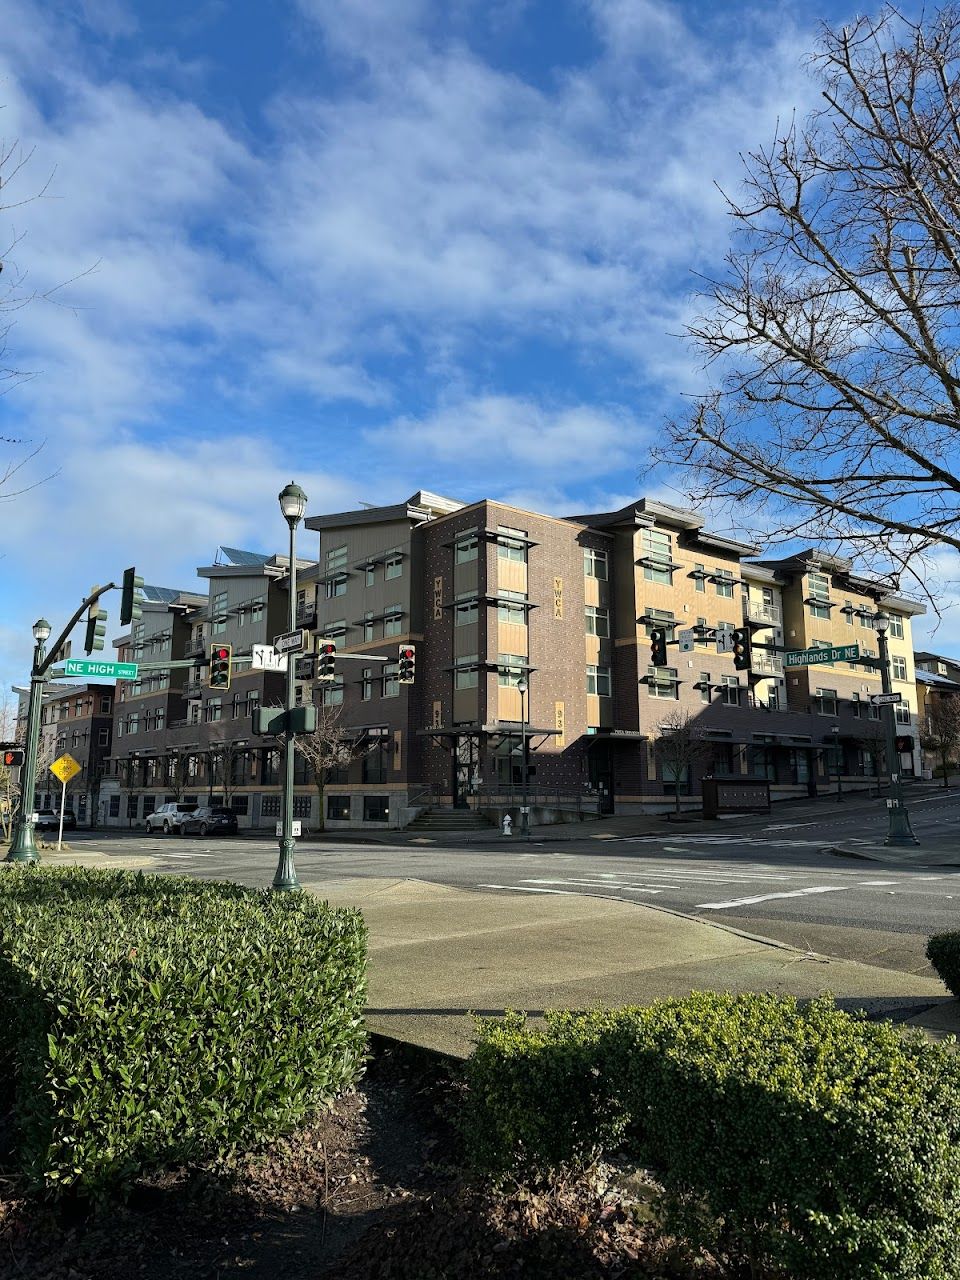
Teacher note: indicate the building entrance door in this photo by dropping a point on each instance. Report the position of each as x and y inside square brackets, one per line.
[466, 768]
[601, 775]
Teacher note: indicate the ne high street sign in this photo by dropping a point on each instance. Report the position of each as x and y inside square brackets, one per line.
[90, 667]
[816, 657]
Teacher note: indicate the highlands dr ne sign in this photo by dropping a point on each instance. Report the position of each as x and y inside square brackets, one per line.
[818, 657]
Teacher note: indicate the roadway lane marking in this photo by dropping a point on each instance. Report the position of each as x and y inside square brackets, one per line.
[514, 888]
[605, 884]
[871, 883]
[766, 897]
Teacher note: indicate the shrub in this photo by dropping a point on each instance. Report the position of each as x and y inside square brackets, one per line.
[155, 1019]
[801, 1139]
[943, 952]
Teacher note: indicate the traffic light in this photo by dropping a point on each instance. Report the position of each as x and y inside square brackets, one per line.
[13, 759]
[96, 629]
[327, 657]
[904, 742]
[218, 676]
[408, 663]
[131, 598]
[741, 648]
[658, 647]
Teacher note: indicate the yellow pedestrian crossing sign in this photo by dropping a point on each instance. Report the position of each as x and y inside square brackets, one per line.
[65, 768]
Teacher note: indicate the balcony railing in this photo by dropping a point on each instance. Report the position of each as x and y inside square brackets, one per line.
[193, 689]
[765, 664]
[306, 615]
[766, 614]
[194, 649]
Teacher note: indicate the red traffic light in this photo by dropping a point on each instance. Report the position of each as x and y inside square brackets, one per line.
[221, 653]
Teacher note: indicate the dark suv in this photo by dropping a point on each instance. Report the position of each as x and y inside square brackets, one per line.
[210, 820]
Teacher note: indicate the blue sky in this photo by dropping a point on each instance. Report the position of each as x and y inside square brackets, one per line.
[373, 245]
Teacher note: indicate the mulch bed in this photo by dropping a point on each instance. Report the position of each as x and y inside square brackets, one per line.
[374, 1189]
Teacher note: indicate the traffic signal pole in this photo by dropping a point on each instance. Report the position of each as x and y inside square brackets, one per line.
[23, 846]
[899, 831]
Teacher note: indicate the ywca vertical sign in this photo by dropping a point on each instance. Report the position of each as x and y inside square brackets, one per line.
[437, 598]
[558, 597]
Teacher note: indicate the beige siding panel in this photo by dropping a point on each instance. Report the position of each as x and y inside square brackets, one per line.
[508, 703]
[512, 638]
[511, 575]
[591, 591]
[593, 710]
[592, 650]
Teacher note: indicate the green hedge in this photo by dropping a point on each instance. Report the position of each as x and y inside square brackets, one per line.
[943, 952]
[803, 1140]
[149, 1019]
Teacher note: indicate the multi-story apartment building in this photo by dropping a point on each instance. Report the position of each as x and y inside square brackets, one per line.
[938, 679]
[529, 630]
[177, 739]
[76, 719]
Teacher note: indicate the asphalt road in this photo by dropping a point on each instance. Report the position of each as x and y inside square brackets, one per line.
[772, 879]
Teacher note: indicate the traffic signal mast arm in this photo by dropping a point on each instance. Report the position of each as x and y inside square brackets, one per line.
[61, 639]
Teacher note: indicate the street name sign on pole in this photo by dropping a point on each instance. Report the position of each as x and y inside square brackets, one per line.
[291, 642]
[90, 667]
[64, 768]
[818, 657]
[883, 699]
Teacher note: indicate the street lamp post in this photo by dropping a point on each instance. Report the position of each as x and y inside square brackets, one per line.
[23, 847]
[899, 831]
[838, 756]
[293, 503]
[522, 687]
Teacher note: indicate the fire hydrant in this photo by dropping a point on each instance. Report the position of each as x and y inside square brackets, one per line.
[507, 825]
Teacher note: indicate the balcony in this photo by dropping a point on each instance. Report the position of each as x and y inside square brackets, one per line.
[306, 615]
[765, 615]
[765, 664]
[194, 649]
[193, 689]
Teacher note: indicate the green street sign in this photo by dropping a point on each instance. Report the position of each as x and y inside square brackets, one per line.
[90, 667]
[817, 657]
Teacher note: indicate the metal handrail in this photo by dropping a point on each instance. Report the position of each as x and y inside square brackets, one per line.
[769, 613]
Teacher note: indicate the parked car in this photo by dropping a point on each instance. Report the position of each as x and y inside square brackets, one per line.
[169, 817]
[49, 820]
[210, 820]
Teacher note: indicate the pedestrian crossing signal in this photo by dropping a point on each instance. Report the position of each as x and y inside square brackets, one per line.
[13, 759]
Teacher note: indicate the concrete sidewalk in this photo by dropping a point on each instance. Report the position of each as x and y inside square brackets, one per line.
[438, 955]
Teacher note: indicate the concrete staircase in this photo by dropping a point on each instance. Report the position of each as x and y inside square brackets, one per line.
[446, 818]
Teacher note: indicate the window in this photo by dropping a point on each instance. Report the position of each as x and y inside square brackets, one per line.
[896, 627]
[114, 806]
[509, 669]
[240, 805]
[659, 618]
[723, 582]
[662, 682]
[149, 804]
[105, 705]
[818, 585]
[466, 613]
[901, 711]
[899, 666]
[133, 803]
[270, 806]
[302, 806]
[509, 612]
[393, 565]
[213, 710]
[376, 808]
[393, 621]
[856, 706]
[465, 676]
[466, 548]
[133, 722]
[701, 629]
[731, 691]
[336, 558]
[706, 693]
[595, 564]
[848, 611]
[598, 681]
[375, 762]
[333, 695]
[508, 549]
[256, 610]
[219, 613]
[657, 546]
[370, 575]
[368, 625]
[391, 679]
[338, 808]
[366, 684]
[700, 577]
[597, 621]
[103, 738]
[336, 586]
[827, 702]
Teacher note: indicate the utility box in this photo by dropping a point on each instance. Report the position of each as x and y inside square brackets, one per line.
[735, 795]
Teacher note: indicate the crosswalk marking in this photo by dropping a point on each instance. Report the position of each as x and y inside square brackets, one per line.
[767, 897]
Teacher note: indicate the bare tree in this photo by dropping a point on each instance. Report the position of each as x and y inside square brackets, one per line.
[678, 748]
[835, 413]
[333, 746]
[942, 736]
[223, 756]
